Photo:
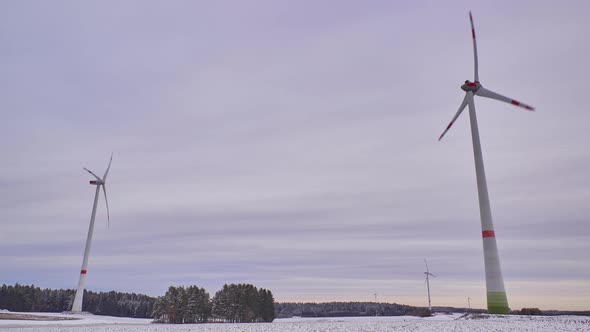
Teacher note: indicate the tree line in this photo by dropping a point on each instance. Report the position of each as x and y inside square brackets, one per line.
[234, 303]
[347, 309]
[34, 299]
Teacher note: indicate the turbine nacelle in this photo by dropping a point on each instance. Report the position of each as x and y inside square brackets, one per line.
[470, 86]
[97, 182]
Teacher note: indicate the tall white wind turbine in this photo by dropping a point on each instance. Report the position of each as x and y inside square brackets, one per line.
[428, 274]
[77, 306]
[496, 294]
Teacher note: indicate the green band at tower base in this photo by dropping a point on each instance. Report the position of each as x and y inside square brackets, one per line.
[497, 303]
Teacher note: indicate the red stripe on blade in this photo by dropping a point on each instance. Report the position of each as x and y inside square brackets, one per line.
[83, 272]
[514, 102]
[488, 234]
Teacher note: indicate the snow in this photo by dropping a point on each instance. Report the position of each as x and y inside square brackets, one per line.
[438, 323]
[83, 319]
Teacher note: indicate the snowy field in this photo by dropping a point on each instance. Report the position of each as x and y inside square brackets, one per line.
[91, 323]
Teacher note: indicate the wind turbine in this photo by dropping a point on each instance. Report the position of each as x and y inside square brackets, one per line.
[427, 273]
[77, 306]
[377, 305]
[496, 294]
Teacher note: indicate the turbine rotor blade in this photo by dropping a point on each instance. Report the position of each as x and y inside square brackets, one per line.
[470, 101]
[426, 265]
[461, 108]
[108, 168]
[104, 190]
[89, 171]
[474, 47]
[483, 92]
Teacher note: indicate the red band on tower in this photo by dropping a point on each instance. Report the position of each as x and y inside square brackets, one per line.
[488, 234]
[83, 272]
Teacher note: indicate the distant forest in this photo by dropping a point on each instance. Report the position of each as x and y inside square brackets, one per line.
[233, 303]
[347, 309]
[34, 299]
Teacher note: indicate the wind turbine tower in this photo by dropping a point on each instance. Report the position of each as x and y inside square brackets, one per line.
[376, 305]
[496, 294]
[427, 273]
[77, 306]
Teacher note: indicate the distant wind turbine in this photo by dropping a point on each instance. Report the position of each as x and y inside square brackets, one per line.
[496, 293]
[77, 306]
[427, 273]
[376, 304]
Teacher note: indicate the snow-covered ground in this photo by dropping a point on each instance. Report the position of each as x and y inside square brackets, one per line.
[72, 320]
[439, 323]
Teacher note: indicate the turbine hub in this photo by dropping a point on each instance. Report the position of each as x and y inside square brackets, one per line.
[470, 86]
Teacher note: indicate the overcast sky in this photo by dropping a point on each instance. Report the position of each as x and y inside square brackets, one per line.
[293, 145]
